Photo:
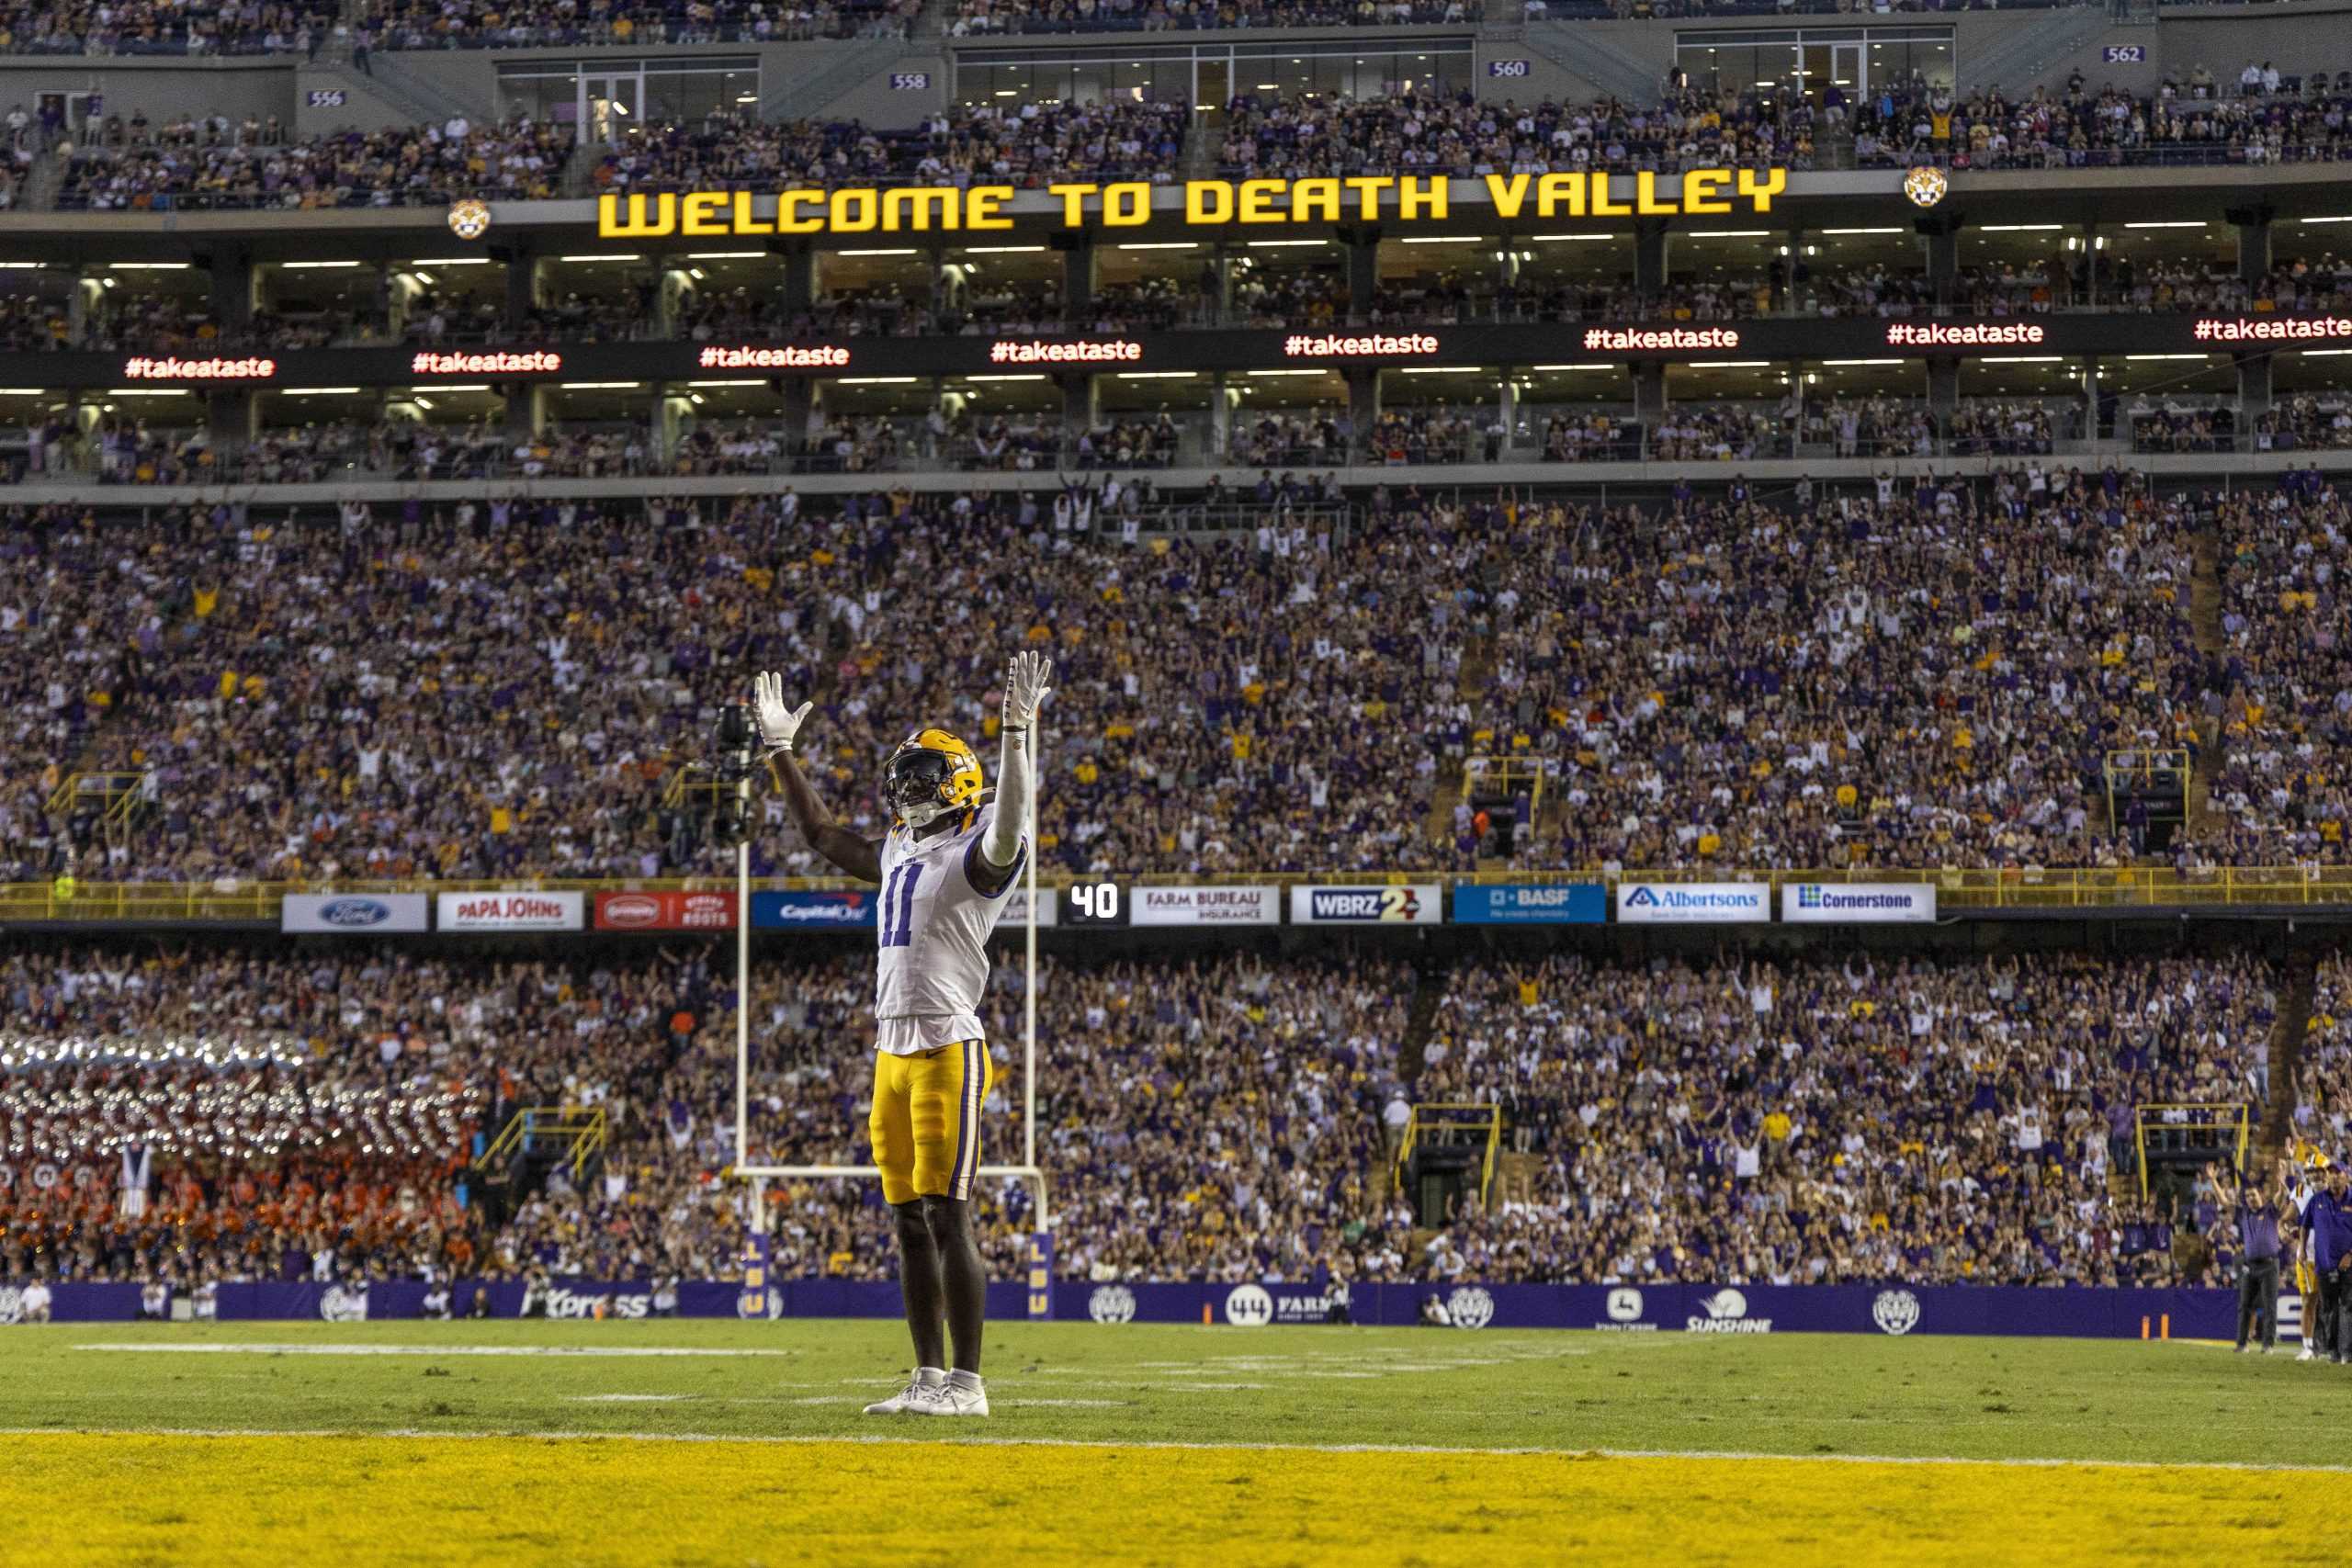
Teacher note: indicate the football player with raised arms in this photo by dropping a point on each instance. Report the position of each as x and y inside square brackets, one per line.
[950, 857]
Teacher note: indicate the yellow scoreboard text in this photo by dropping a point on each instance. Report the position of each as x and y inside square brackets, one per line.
[1208, 203]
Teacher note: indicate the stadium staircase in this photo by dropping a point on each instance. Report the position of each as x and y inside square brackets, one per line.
[1202, 146]
[2205, 631]
[1578, 49]
[535, 1142]
[421, 96]
[2288, 1032]
[829, 74]
[2029, 48]
[1445, 790]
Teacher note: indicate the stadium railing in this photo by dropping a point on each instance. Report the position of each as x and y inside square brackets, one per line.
[2004, 888]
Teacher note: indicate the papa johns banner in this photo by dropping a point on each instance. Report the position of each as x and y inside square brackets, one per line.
[1894, 1309]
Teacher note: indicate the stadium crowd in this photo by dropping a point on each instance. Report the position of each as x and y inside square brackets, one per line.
[1423, 134]
[315, 1115]
[1939, 1122]
[188, 167]
[1702, 683]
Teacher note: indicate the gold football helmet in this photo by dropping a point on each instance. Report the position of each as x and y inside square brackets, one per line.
[930, 772]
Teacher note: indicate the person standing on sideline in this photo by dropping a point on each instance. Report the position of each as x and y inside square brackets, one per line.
[2257, 1225]
[2329, 1216]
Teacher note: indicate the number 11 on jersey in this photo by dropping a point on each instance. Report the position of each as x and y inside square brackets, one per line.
[897, 910]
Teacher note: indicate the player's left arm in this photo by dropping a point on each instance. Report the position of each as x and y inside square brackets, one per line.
[1016, 785]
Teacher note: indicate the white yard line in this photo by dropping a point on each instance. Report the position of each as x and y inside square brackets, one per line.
[423, 1350]
[975, 1440]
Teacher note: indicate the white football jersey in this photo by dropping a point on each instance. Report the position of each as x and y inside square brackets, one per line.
[932, 926]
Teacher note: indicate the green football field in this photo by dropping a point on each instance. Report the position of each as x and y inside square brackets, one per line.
[725, 1442]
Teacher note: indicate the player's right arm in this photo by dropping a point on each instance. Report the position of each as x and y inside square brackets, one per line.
[779, 726]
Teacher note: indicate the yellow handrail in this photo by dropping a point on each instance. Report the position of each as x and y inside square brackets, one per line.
[1491, 1115]
[2219, 1117]
[583, 1127]
[2010, 887]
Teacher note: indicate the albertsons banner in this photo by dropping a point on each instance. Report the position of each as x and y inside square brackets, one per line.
[1693, 903]
[1857, 903]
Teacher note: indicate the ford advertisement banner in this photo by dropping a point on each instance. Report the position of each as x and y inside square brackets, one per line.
[1533, 904]
[1857, 903]
[1418, 904]
[510, 911]
[354, 914]
[1151, 905]
[666, 911]
[1693, 903]
[846, 909]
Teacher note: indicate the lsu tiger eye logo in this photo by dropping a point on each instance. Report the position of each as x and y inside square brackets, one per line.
[1926, 186]
[469, 220]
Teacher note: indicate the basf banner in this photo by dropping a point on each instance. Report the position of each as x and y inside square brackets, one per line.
[510, 911]
[1533, 904]
[845, 909]
[354, 914]
[667, 911]
[1857, 903]
[1419, 904]
[1205, 907]
[1692, 903]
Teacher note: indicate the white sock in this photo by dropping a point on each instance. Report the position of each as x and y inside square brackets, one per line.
[930, 1377]
[968, 1381]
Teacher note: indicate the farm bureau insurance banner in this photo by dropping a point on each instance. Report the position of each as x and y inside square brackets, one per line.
[1693, 903]
[1857, 903]
[1154, 906]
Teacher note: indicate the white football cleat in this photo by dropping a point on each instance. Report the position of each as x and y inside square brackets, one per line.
[2307, 1355]
[919, 1388]
[950, 1398]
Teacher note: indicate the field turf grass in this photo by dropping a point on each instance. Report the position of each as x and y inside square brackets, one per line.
[662, 1443]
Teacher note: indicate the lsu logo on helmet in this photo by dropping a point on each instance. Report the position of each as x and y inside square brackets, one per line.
[930, 772]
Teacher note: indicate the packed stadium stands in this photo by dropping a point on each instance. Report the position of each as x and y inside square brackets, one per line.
[1732, 1120]
[1605, 642]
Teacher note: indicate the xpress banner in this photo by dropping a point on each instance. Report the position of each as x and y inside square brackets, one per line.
[1693, 903]
[354, 914]
[1416, 904]
[1857, 903]
[510, 911]
[1537, 903]
[1205, 907]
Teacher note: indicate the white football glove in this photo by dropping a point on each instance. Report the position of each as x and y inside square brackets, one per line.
[778, 724]
[1025, 688]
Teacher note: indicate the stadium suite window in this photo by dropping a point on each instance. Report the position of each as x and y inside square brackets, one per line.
[1209, 75]
[1859, 59]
